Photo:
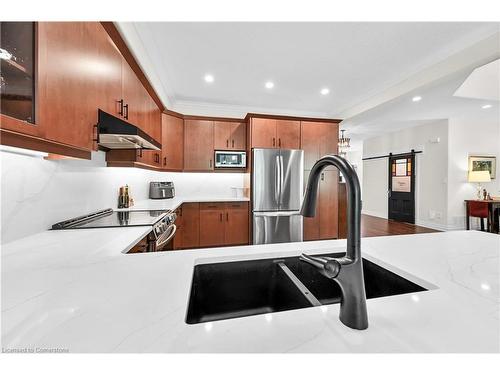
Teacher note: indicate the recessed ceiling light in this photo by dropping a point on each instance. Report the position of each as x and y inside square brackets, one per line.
[416, 98]
[486, 106]
[209, 78]
[269, 85]
[325, 91]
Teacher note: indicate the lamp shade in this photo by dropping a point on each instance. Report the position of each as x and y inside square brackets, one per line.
[479, 176]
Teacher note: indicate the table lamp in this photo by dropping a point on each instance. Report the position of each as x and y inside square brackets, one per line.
[479, 176]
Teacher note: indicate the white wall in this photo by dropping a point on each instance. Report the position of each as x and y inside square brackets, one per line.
[36, 193]
[431, 171]
[356, 158]
[469, 137]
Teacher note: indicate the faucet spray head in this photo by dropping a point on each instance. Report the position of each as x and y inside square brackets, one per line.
[308, 208]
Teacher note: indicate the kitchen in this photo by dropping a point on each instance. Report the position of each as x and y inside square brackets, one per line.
[154, 228]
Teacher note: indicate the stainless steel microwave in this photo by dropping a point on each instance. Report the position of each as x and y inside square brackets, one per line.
[230, 159]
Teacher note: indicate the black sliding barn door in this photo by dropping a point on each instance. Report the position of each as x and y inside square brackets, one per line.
[402, 187]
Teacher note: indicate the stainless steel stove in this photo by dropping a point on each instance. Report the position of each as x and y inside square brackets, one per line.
[162, 224]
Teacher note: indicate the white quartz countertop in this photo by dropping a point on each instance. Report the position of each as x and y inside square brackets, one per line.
[173, 203]
[77, 290]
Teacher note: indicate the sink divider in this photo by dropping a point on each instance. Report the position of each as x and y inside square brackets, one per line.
[298, 284]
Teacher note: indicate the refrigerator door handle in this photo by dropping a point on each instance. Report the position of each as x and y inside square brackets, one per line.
[276, 213]
[277, 191]
[282, 181]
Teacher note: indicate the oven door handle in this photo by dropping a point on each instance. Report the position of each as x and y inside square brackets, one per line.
[162, 241]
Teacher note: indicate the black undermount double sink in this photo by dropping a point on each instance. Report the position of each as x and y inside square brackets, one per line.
[236, 289]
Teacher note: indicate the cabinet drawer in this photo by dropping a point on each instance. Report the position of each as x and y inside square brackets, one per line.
[212, 206]
[237, 205]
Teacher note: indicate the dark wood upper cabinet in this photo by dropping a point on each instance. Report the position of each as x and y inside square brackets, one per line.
[222, 135]
[238, 135]
[229, 135]
[109, 89]
[288, 134]
[67, 104]
[275, 133]
[318, 139]
[198, 145]
[133, 106]
[263, 133]
[172, 144]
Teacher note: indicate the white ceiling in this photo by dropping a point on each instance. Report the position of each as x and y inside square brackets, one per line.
[438, 102]
[356, 61]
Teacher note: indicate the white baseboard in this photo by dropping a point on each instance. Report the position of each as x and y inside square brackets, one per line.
[422, 223]
[437, 226]
[373, 213]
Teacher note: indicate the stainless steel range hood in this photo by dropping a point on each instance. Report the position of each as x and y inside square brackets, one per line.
[115, 133]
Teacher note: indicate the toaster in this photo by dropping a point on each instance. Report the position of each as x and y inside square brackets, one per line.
[161, 190]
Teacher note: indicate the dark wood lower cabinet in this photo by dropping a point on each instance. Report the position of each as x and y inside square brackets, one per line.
[190, 225]
[324, 225]
[236, 226]
[342, 211]
[211, 224]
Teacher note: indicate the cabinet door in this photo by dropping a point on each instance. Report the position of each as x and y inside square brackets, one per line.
[236, 229]
[328, 204]
[109, 90]
[222, 135]
[311, 224]
[190, 225]
[311, 137]
[288, 134]
[211, 227]
[330, 138]
[198, 145]
[263, 133]
[153, 118]
[131, 95]
[177, 241]
[67, 106]
[238, 136]
[172, 144]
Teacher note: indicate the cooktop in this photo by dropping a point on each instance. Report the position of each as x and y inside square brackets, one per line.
[109, 219]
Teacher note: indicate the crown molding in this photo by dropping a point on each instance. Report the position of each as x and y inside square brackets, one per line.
[195, 108]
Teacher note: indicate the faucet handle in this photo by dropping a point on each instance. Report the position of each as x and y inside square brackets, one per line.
[328, 267]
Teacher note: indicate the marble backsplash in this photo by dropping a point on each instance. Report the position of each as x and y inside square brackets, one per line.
[35, 193]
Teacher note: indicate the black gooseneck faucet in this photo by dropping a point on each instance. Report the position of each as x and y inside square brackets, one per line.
[348, 270]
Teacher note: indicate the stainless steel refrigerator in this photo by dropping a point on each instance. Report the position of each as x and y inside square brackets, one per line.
[277, 180]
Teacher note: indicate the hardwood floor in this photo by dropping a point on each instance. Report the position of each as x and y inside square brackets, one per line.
[372, 226]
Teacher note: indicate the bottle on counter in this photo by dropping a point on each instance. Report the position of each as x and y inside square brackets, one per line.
[121, 197]
[126, 197]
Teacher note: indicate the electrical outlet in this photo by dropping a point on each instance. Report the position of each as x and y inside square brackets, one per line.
[439, 215]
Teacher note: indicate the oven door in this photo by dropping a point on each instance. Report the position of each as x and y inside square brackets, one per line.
[228, 159]
[163, 239]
